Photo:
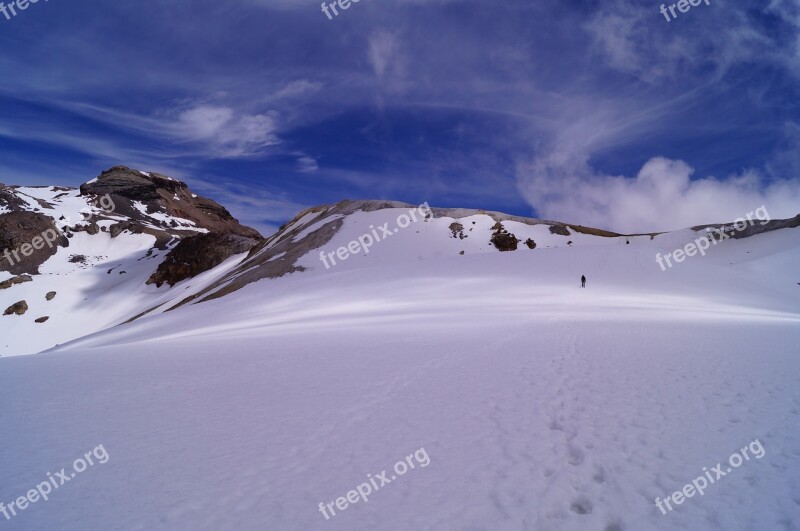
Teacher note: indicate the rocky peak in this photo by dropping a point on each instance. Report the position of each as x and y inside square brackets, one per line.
[138, 195]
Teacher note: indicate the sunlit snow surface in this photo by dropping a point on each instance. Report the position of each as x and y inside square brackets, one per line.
[541, 405]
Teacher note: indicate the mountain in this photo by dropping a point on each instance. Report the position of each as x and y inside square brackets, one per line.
[80, 260]
[130, 244]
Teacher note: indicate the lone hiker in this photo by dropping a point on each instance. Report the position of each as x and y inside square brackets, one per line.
[583, 281]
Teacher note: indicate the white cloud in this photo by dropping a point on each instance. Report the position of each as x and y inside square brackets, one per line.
[228, 133]
[662, 196]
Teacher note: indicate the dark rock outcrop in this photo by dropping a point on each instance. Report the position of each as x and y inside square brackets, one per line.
[50, 295]
[42, 319]
[132, 190]
[502, 239]
[18, 308]
[457, 229]
[119, 228]
[751, 228]
[9, 200]
[23, 231]
[559, 229]
[198, 254]
[20, 279]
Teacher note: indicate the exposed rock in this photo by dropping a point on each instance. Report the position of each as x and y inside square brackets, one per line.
[89, 228]
[42, 319]
[751, 229]
[121, 181]
[20, 279]
[50, 295]
[530, 243]
[21, 232]
[559, 229]
[502, 239]
[458, 230]
[9, 200]
[119, 228]
[18, 308]
[163, 195]
[197, 254]
[77, 259]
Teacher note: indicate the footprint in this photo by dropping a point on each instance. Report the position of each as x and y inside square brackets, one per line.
[581, 506]
[575, 456]
[599, 475]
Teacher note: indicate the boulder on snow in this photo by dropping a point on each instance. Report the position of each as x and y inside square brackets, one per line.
[50, 295]
[119, 228]
[18, 308]
[42, 319]
[20, 279]
[502, 239]
[457, 229]
[559, 229]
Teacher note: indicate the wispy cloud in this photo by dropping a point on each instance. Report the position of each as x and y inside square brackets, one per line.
[306, 164]
[259, 207]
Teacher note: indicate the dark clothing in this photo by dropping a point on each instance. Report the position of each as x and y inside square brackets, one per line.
[583, 281]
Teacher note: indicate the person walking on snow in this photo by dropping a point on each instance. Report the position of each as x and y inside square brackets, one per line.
[583, 281]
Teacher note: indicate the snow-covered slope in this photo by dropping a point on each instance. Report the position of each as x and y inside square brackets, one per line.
[539, 405]
[280, 383]
[106, 241]
[105, 277]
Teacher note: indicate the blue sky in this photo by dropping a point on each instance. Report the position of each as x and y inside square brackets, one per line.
[601, 113]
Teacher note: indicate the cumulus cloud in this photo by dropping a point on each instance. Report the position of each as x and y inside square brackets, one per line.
[661, 196]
